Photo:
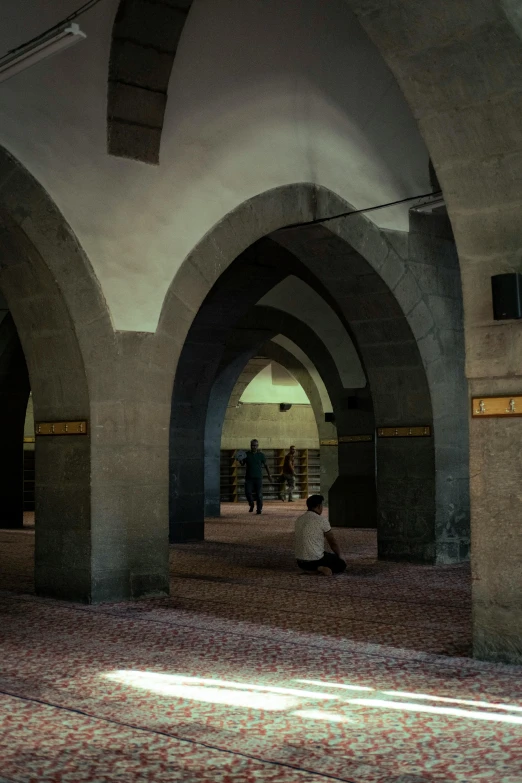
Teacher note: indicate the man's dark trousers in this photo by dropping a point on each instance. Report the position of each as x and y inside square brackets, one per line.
[328, 559]
[254, 486]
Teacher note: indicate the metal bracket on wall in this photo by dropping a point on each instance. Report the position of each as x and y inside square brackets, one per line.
[355, 438]
[496, 406]
[61, 428]
[328, 443]
[404, 432]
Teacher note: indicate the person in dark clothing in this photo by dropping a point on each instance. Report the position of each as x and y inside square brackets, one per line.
[255, 461]
[288, 475]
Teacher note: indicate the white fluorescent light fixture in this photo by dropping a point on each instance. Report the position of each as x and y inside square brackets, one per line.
[45, 46]
[430, 206]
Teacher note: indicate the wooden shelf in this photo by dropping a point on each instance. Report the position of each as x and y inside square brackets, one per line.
[29, 480]
[307, 469]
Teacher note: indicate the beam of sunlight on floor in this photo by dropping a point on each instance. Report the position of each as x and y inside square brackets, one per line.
[238, 694]
[331, 717]
[454, 712]
[336, 685]
[448, 700]
[204, 693]
[268, 697]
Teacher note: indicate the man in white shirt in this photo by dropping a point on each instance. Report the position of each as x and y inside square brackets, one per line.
[310, 531]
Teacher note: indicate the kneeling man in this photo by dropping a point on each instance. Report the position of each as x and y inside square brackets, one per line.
[310, 531]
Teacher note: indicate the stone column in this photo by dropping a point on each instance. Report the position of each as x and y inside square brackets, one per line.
[467, 104]
[329, 459]
[353, 496]
[496, 542]
[432, 256]
[129, 484]
[493, 366]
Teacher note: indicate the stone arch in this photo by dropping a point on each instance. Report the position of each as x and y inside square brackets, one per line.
[462, 78]
[274, 352]
[298, 354]
[59, 312]
[347, 468]
[245, 341]
[202, 354]
[145, 37]
[294, 296]
[353, 412]
[394, 324]
[271, 352]
[388, 288]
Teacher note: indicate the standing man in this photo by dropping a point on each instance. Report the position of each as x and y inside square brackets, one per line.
[310, 531]
[288, 476]
[255, 461]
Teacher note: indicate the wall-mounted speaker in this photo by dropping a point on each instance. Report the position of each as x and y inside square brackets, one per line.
[507, 296]
[284, 407]
[329, 418]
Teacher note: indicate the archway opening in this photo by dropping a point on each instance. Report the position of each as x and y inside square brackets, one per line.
[267, 399]
[387, 416]
[394, 453]
[269, 404]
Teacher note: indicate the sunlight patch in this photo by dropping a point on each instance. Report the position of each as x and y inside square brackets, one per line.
[235, 694]
[336, 685]
[454, 712]
[448, 700]
[331, 717]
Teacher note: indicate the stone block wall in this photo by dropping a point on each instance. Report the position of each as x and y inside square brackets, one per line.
[273, 429]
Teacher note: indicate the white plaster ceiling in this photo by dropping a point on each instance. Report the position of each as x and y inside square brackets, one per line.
[262, 388]
[262, 94]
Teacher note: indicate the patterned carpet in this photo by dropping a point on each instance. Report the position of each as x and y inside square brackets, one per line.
[254, 672]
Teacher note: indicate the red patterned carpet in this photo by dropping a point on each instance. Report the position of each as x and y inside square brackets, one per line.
[251, 671]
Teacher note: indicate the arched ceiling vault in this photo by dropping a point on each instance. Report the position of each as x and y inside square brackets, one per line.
[290, 347]
[274, 384]
[292, 295]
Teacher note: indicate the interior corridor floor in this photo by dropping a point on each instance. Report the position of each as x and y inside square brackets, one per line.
[251, 671]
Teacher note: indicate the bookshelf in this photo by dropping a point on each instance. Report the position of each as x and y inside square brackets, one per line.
[307, 466]
[229, 472]
[29, 480]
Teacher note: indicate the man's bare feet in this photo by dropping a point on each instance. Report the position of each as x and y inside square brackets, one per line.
[325, 571]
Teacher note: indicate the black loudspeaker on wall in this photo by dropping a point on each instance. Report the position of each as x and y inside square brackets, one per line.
[284, 407]
[507, 296]
[329, 417]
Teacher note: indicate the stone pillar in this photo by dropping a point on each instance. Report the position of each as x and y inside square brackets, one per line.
[406, 492]
[479, 170]
[63, 535]
[494, 369]
[198, 410]
[353, 496]
[329, 458]
[496, 553]
[130, 426]
[101, 499]
[433, 259]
